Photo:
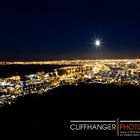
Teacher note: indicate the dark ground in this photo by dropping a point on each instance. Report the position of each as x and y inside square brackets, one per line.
[50, 114]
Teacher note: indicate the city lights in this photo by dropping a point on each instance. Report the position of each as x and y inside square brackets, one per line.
[115, 71]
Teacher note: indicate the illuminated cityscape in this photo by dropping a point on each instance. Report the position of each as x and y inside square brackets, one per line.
[118, 72]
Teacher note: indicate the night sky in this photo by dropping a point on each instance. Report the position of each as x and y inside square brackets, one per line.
[65, 29]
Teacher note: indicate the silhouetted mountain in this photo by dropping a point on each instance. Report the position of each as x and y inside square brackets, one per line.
[52, 112]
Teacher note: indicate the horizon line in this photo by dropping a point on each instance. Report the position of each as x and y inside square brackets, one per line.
[68, 60]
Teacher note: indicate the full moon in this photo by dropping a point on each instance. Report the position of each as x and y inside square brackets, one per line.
[97, 42]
